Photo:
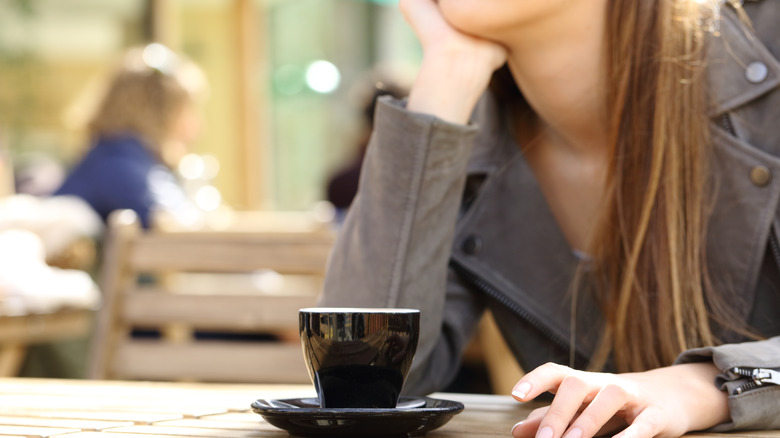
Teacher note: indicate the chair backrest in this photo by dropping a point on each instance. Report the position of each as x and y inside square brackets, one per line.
[248, 221]
[193, 288]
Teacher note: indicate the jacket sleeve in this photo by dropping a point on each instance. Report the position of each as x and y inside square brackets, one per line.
[754, 407]
[394, 246]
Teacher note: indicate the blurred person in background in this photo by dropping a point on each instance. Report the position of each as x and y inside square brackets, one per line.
[141, 128]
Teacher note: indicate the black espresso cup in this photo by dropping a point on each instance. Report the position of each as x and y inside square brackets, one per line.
[358, 357]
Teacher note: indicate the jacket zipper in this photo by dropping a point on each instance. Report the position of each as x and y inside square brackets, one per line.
[494, 293]
[725, 123]
[759, 377]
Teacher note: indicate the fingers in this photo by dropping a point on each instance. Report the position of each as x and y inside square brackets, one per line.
[609, 400]
[538, 414]
[544, 378]
[572, 390]
[572, 393]
[528, 427]
[583, 405]
[646, 425]
[421, 14]
[646, 405]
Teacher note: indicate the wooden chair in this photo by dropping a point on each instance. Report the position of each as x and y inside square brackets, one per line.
[131, 254]
[17, 332]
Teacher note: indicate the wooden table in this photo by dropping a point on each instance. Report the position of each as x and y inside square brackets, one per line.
[114, 409]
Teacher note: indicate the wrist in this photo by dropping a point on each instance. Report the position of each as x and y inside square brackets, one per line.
[706, 405]
[449, 87]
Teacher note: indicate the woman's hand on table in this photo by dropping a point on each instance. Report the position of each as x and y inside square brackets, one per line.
[456, 68]
[665, 402]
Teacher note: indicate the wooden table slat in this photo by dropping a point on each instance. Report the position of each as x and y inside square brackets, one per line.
[110, 435]
[124, 416]
[234, 416]
[34, 431]
[79, 424]
[215, 424]
[192, 431]
[169, 406]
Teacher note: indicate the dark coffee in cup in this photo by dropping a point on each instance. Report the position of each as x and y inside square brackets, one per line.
[358, 357]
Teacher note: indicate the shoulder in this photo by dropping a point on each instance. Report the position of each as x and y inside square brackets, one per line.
[122, 147]
[744, 72]
[120, 155]
[112, 162]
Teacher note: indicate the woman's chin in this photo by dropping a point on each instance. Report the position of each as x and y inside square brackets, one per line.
[498, 20]
[466, 16]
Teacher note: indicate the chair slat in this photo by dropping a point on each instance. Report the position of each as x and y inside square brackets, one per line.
[182, 252]
[216, 361]
[152, 308]
[63, 324]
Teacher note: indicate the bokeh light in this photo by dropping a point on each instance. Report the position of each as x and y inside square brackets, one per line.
[323, 77]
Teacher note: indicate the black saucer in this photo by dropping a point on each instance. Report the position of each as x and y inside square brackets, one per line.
[304, 417]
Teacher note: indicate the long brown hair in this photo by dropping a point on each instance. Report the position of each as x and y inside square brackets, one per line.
[650, 248]
[648, 252]
[146, 94]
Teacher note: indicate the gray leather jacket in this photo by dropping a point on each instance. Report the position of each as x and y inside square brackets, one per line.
[449, 219]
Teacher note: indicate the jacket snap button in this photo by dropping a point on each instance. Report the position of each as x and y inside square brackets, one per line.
[761, 176]
[756, 72]
[472, 245]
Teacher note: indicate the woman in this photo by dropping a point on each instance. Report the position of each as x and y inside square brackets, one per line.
[142, 127]
[612, 203]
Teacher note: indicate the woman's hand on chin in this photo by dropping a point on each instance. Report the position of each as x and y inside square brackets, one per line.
[456, 67]
[665, 402]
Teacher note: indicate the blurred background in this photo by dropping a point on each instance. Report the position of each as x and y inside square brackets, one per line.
[290, 86]
[283, 113]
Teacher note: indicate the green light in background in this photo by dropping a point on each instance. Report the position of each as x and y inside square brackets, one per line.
[289, 79]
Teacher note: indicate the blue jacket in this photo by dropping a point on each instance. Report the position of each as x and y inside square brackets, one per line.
[120, 173]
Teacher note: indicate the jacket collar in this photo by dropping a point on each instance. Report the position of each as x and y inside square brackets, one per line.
[731, 53]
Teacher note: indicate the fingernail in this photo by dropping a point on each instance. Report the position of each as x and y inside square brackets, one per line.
[516, 426]
[522, 390]
[545, 432]
[574, 433]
